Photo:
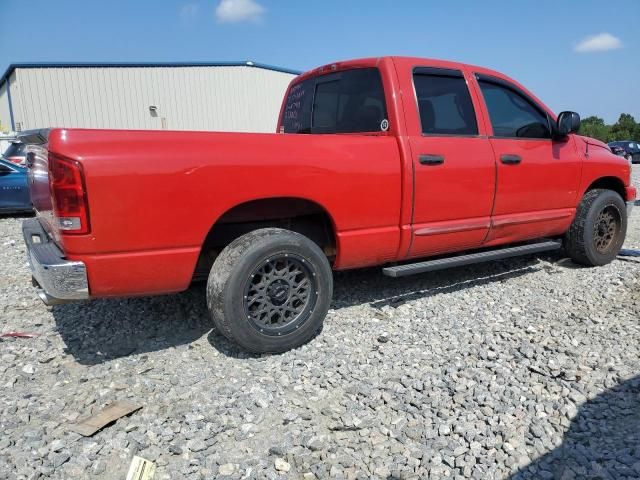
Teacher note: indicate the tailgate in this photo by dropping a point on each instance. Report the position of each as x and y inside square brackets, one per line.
[39, 188]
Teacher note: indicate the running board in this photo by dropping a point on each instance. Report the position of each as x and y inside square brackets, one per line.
[462, 260]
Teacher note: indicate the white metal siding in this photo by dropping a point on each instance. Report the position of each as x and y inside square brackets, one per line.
[5, 119]
[245, 99]
[5, 113]
[17, 101]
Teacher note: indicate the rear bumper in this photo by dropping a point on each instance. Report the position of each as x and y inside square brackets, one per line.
[57, 279]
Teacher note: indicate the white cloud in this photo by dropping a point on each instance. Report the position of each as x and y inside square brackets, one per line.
[598, 43]
[189, 11]
[233, 11]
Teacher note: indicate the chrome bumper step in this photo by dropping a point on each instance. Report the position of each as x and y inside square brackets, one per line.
[57, 279]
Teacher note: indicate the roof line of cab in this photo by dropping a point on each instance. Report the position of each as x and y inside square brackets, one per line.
[374, 61]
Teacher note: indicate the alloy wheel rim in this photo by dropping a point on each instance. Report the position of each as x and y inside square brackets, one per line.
[280, 294]
[606, 229]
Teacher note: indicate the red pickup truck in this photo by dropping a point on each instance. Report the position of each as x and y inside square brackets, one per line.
[379, 161]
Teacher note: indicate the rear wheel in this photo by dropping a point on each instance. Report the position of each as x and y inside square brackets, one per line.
[598, 231]
[270, 290]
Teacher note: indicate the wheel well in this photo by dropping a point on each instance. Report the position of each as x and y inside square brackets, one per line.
[610, 183]
[296, 214]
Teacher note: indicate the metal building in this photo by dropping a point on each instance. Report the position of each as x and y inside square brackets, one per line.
[222, 96]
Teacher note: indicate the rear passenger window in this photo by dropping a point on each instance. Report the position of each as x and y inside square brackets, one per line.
[344, 102]
[444, 103]
[512, 114]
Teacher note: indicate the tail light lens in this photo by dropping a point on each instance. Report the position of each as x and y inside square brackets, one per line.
[69, 195]
[16, 160]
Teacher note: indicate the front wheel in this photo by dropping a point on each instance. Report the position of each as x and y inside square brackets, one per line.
[598, 231]
[269, 290]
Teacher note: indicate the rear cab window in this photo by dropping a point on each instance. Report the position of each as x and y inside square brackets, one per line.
[351, 101]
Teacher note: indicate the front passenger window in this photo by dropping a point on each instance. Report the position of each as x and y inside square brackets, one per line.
[513, 115]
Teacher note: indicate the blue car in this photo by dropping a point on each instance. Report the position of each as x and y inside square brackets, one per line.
[14, 189]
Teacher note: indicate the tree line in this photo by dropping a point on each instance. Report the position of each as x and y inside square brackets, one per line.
[626, 128]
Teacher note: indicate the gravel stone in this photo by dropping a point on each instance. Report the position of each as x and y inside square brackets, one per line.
[28, 369]
[227, 469]
[98, 468]
[197, 446]
[175, 449]
[281, 465]
[525, 368]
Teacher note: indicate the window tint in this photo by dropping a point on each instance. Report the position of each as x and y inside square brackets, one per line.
[346, 102]
[445, 105]
[15, 150]
[513, 115]
[327, 105]
[297, 109]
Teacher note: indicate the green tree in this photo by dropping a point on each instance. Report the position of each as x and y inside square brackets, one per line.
[595, 127]
[624, 129]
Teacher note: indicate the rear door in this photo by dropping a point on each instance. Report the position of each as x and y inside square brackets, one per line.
[537, 177]
[453, 164]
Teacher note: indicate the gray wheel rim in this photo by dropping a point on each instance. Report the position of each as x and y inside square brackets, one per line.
[606, 229]
[280, 294]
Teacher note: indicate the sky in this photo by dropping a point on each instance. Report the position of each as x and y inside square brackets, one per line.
[581, 55]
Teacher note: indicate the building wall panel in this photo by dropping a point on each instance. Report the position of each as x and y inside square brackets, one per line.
[220, 98]
[5, 117]
[17, 100]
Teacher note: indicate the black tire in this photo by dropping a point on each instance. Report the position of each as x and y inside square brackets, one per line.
[598, 231]
[269, 290]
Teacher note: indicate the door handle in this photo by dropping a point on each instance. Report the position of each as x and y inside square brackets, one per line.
[508, 159]
[431, 159]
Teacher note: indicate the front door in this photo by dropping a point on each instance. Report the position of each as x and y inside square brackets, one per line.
[454, 166]
[537, 177]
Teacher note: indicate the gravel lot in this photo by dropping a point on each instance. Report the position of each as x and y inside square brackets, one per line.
[527, 368]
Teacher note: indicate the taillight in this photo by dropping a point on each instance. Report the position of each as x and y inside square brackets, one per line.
[68, 195]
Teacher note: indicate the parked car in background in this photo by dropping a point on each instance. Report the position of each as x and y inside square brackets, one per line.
[14, 188]
[627, 149]
[377, 161]
[16, 153]
[617, 150]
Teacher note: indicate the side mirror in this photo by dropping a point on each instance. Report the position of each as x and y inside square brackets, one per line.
[568, 122]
